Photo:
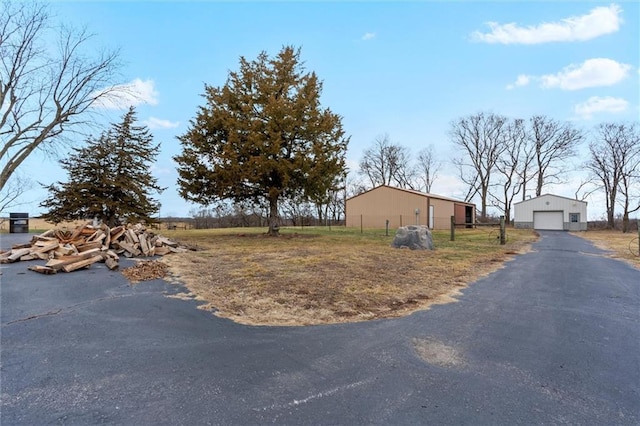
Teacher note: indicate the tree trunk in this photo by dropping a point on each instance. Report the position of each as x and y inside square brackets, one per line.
[483, 202]
[625, 222]
[274, 226]
[611, 219]
[539, 185]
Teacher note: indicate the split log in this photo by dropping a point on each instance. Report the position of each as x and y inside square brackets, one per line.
[50, 233]
[17, 254]
[68, 260]
[88, 246]
[27, 257]
[76, 233]
[111, 263]
[144, 246]
[129, 248]
[43, 247]
[131, 236]
[162, 250]
[42, 269]
[107, 233]
[117, 232]
[166, 242]
[82, 264]
[99, 235]
[66, 250]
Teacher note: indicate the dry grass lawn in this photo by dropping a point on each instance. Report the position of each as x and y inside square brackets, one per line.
[322, 276]
[622, 246]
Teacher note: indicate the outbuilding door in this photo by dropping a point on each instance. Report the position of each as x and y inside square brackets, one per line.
[548, 221]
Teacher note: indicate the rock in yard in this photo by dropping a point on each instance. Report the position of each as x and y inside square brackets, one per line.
[414, 237]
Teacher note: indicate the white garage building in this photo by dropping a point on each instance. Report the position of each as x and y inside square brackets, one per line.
[551, 212]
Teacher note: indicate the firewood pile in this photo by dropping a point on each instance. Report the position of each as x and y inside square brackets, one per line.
[68, 251]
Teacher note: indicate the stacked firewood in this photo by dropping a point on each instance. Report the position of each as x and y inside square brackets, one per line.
[68, 251]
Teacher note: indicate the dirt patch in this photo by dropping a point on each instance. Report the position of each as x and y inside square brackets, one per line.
[331, 278]
[437, 353]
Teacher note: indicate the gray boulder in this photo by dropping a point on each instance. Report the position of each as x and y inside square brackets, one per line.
[415, 237]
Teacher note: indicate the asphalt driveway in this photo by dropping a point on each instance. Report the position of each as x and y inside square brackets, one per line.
[552, 338]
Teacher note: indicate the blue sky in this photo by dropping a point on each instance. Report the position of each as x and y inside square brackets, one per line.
[406, 69]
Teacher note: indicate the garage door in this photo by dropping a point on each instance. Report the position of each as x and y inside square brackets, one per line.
[547, 220]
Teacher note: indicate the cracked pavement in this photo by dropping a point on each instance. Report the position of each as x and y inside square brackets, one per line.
[552, 338]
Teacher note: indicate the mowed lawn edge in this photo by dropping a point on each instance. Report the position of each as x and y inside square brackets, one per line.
[623, 246]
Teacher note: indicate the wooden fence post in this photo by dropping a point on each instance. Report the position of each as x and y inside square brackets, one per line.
[453, 228]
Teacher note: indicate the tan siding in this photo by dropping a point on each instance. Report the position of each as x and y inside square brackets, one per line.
[373, 208]
[381, 204]
[442, 212]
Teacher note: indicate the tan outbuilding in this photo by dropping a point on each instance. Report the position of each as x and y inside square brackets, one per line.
[402, 207]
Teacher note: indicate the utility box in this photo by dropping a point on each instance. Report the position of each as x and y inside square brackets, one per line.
[18, 223]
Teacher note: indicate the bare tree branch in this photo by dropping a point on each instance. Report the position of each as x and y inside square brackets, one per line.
[386, 163]
[18, 185]
[554, 143]
[42, 95]
[481, 137]
[615, 162]
[428, 167]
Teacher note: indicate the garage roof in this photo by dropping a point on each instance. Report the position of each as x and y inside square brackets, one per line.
[551, 195]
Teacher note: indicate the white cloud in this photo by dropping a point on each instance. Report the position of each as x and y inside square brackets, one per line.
[157, 123]
[599, 21]
[596, 104]
[596, 72]
[368, 36]
[122, 96]
[522, 80]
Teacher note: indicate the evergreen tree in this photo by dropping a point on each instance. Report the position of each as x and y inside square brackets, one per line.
[263, 137]
[109, 178]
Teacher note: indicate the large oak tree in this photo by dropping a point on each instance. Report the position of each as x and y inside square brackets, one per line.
[109, 178]
[263, 137]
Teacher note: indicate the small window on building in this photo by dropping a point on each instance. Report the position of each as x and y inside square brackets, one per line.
[574, 217]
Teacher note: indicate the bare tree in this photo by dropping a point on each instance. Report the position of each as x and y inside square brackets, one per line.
[13, 190]
[512, 165]
[386, 163]
[481, 137]
[354, 186]
[427, 167]
[554, 144]
[629, 186]
[614, 161]
[43, 94]
[587, 187]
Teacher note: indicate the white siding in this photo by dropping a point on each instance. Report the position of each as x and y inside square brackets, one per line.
[523, 211]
